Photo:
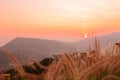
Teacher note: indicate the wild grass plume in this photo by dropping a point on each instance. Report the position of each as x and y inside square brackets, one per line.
[92, 65]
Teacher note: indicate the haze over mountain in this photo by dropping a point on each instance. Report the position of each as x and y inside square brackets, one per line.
[23, 48]
[38, 48]
[83, 45]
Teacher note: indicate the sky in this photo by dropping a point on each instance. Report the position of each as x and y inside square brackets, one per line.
[63, 20]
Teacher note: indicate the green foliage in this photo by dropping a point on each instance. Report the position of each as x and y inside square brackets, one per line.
[37, 69]
[28, 69]
[12, 72]
[99, 75]
[92, 77]
[19, 78]
[118, 74]
[70, 78]
[46, 61]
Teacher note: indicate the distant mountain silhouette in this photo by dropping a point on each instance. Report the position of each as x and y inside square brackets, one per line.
[83, 45]
[4, 60]
[23, 48]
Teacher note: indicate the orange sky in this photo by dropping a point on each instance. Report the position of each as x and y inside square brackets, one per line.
[64, 20]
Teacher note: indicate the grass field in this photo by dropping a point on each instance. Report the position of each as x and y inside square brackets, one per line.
[90, 66]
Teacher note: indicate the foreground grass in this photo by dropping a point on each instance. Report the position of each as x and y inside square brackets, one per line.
[90, 66]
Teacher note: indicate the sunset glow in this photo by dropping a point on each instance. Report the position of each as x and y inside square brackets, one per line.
[85, 36]
[64, 20]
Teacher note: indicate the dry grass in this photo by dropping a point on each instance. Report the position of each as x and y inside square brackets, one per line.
[111, 77]
[39, 64]
[77, 66]
[15, 61]
[1, 74]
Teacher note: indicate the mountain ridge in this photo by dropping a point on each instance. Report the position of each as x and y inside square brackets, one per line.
[23, 48]
[38, 48]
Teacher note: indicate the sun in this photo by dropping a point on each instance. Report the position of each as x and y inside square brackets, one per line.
[85, 36]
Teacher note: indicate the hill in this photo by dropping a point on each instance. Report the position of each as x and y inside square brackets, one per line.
[23, 48]
[83, 45]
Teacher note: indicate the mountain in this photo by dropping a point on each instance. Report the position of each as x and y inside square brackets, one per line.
[4, 60]
[23, 48]
[83, 45]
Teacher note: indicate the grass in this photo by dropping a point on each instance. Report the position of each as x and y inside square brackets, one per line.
[92, 66]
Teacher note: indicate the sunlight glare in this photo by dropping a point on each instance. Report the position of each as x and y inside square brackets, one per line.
[85, 36]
